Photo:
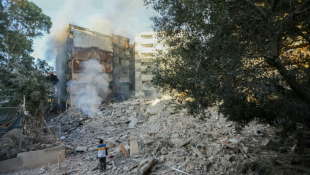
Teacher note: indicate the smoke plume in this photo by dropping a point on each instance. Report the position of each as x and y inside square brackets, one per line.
[125, 17]
[96, 83]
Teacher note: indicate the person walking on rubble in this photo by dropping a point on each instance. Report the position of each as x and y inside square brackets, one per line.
[102, 153]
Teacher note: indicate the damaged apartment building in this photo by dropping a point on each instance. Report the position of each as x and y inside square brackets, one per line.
[113, 52]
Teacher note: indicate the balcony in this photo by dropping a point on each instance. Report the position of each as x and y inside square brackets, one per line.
[148, 41]
[147, 50]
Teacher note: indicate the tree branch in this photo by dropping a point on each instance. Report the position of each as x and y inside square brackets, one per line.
[296, 46]
[257, 18]
[289, 78]
[274, 4]
[13, 48]
[301, 7]
[256, 8]
[303, 35]
[267, 4]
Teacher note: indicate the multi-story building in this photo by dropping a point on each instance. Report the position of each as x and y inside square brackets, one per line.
[146, 45]
[112, 52]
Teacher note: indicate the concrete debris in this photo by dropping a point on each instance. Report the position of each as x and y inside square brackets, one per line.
[190, 125]
[155, 109]
[156, 149]
[155, 128]
[133, 122]
[132, 138]
[184, 143]
[124, 151]
[225, 163]
[69, 147]
[81, 149]
[147, 139]
[134, 148]
[176, 169]
[198, 152]
[146, 164]
[111, 143]
[270, 144]
[164, 151]
[42, 170]
[281, 150]
[139, 130]
[246, 149]
[162, 159]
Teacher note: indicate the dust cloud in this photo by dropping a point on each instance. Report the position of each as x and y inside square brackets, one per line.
[121, 17]
[95, 82]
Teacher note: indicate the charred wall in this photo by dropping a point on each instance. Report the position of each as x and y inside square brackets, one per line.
[112, 52]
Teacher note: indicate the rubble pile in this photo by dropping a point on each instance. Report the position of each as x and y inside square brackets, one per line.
[153, 136]
[31, 141]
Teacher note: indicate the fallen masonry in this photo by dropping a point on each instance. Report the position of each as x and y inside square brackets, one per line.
[145, 137]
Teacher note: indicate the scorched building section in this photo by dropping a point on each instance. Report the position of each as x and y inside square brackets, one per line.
[113, 54]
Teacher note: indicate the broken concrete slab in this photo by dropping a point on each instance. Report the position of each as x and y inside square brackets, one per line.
[211, 159]
[81, 149]
[134, 148]
[155, 128]
[132, 138]
[146, 164]
[156, 149]
[176, 141]
[246, 149]
[164, 151]
[147, 139]
[175, 135]
[184, 143]
[111, 143]
[155, 109]
[133, 122]
[162, 159]
[198, 152]
[124, 151]
[127, 147]
[190, 125]
[69, 147]
[225, 163]
[270, 144]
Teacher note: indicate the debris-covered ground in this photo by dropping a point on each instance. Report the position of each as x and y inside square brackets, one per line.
[160, 139]
[32, 140]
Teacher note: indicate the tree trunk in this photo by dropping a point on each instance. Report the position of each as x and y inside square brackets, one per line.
[275, 61]
[48, 129]
[291, 81]
[8, 50]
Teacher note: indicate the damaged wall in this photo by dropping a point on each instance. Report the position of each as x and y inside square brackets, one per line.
[112, 53]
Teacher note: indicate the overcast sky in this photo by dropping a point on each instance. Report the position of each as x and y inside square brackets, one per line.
[125, 17]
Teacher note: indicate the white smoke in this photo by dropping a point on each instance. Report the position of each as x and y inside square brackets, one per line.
[96, 82]
[123, 16]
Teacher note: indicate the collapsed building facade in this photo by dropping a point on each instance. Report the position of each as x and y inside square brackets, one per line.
[113, 53]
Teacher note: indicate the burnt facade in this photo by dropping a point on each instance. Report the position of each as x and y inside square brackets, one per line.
[112, 52]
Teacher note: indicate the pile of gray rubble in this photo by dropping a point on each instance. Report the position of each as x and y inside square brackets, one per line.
[151, 136]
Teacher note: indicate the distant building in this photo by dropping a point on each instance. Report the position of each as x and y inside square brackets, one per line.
[145, 47]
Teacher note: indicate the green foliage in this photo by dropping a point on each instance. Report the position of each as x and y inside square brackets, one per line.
[28, 79]
[21, 22]
[249, 57]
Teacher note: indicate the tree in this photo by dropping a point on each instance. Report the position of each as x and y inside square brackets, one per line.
[21, 22]
[251, 57]
[28, 79]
